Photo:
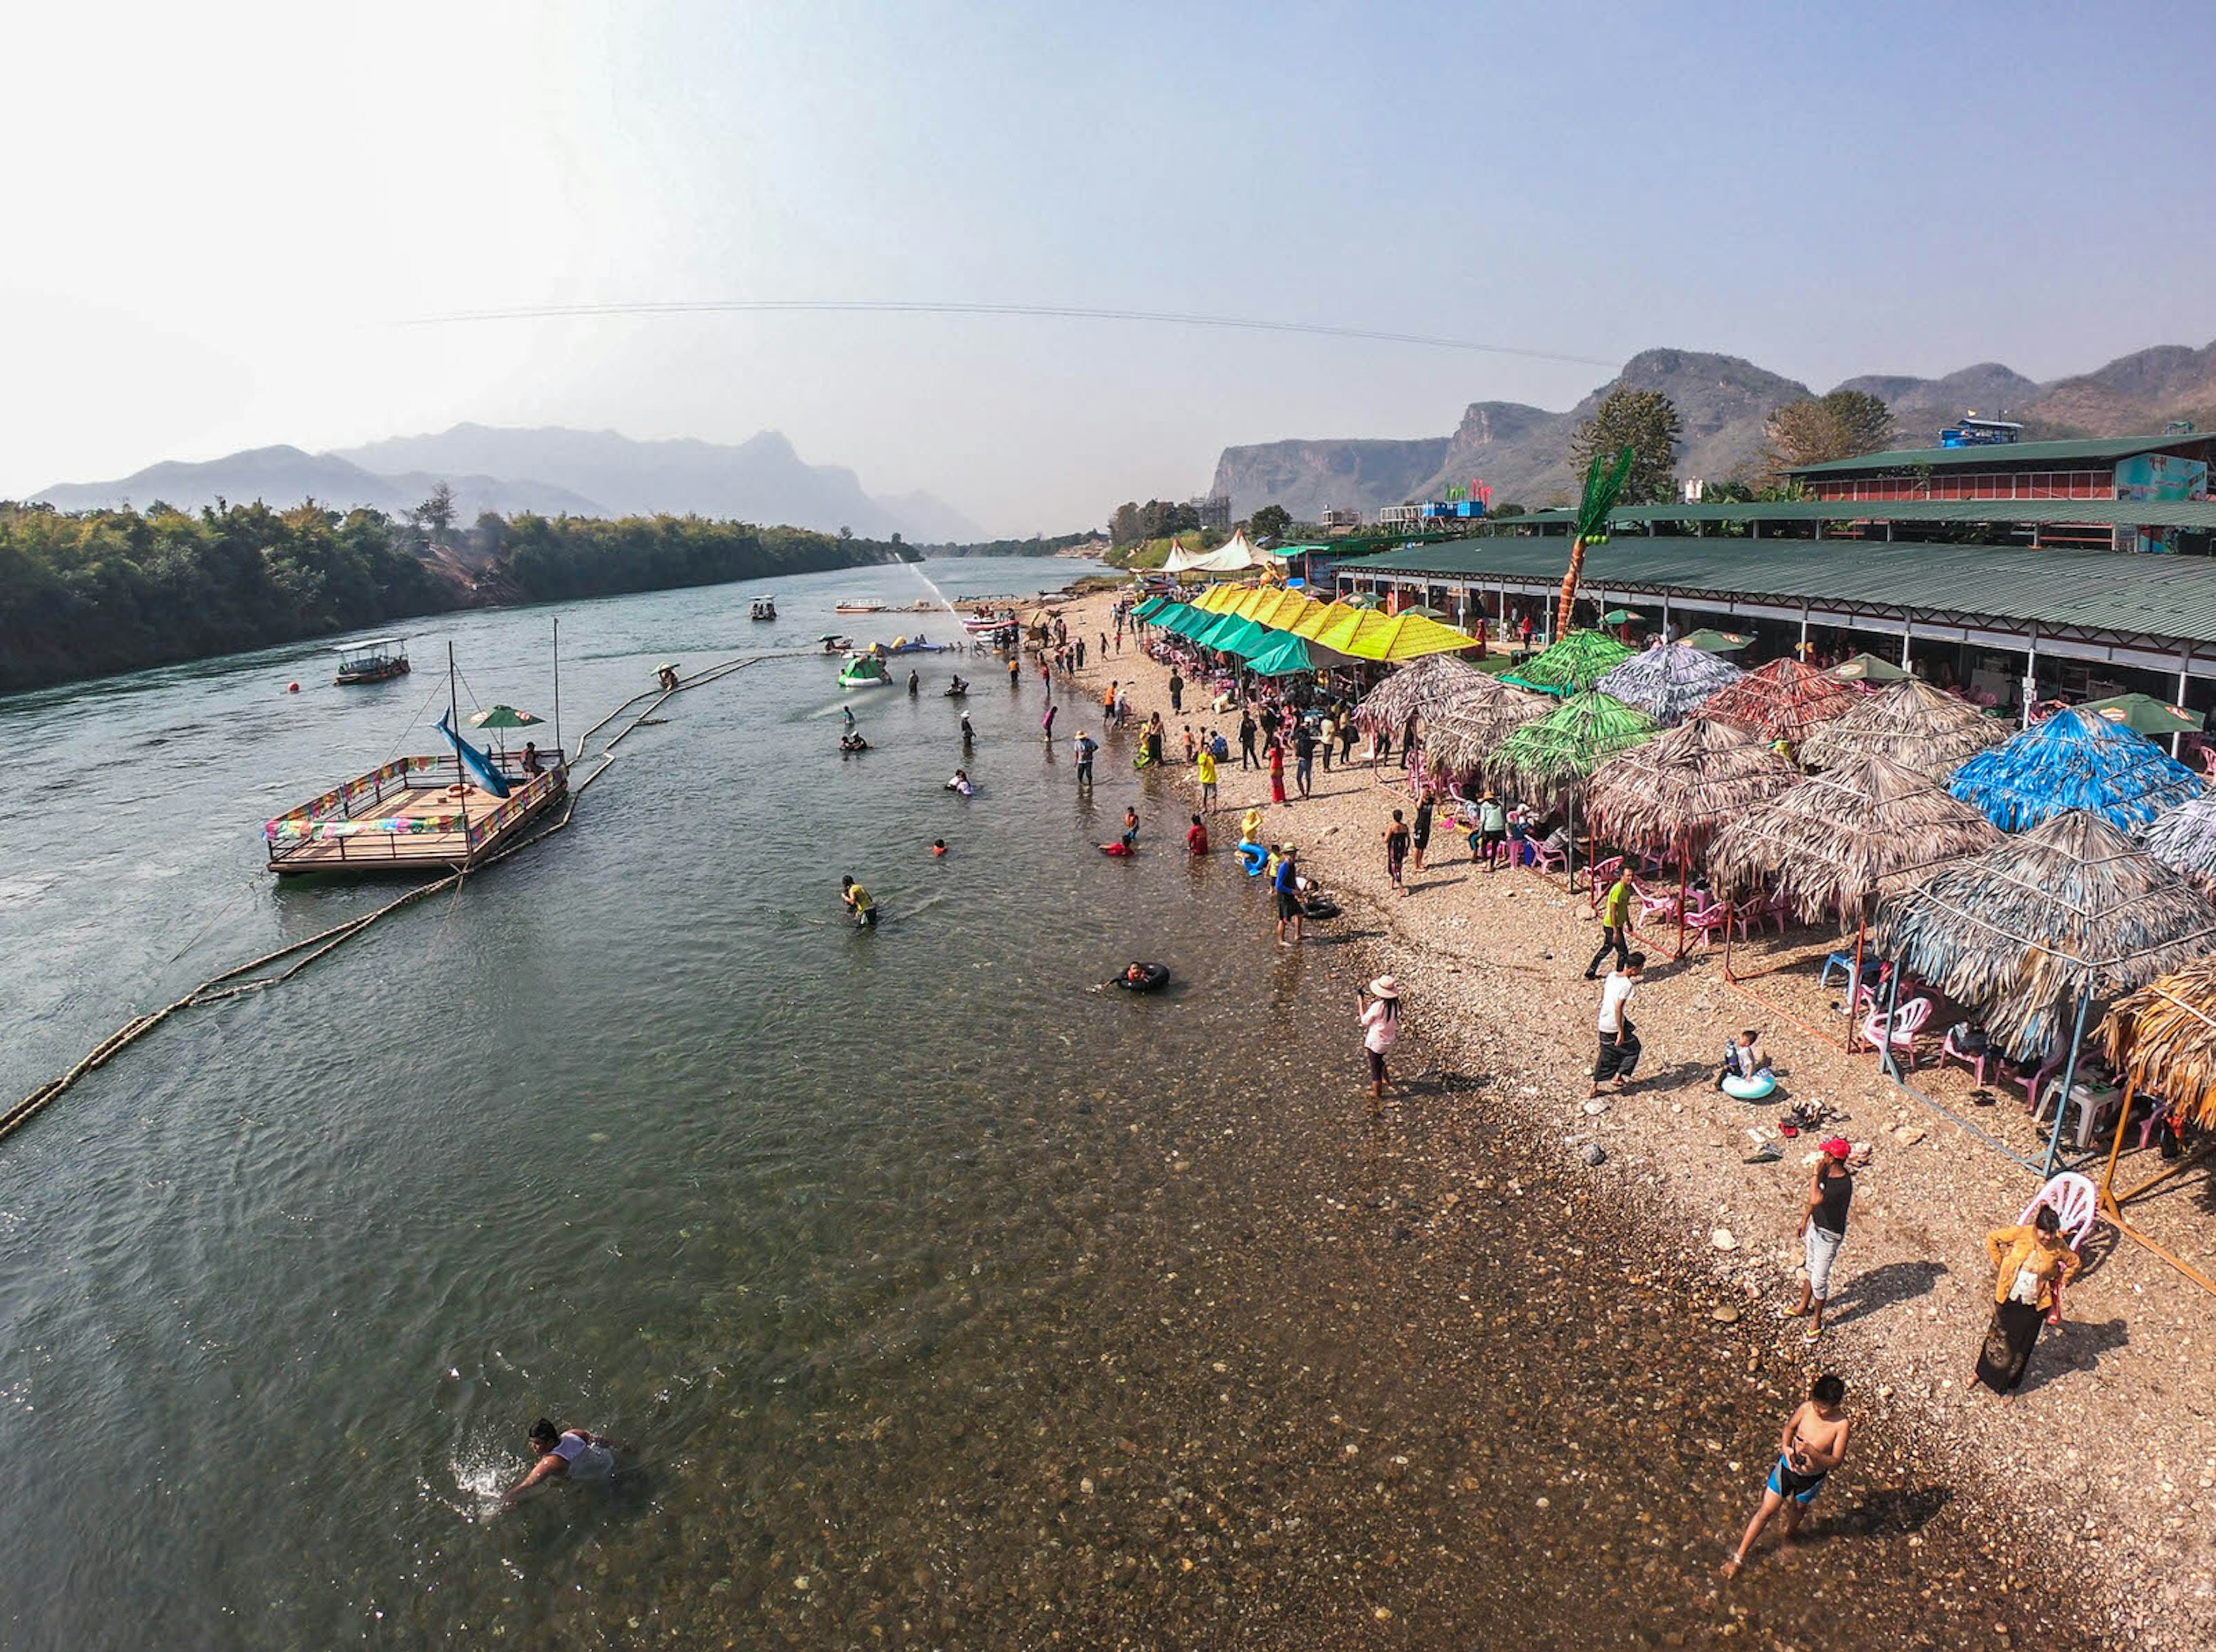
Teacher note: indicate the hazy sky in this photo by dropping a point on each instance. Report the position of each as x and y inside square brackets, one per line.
[221, 218]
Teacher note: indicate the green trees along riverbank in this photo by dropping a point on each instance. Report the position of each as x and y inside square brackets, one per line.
[90, 594]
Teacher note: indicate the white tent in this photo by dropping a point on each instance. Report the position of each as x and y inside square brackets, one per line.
[1237, 556]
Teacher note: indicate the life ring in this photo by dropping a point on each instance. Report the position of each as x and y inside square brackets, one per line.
[1321, 907]
[1751, 1089]
[1157, 977]
[1253, 857]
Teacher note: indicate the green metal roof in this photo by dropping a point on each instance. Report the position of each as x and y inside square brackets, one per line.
[2162, 514]
[1989, 453]
[2170, 599]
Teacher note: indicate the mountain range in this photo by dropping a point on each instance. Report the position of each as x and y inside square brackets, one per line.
[552, 471]
[1522, 453]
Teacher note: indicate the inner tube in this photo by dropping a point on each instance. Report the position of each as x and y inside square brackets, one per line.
[1751, 1089]
[956, 694]
[1158, 976]
[1321, 907]
[1253, 857]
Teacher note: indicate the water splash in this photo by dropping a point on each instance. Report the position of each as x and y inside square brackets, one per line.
[481, 1472]
[916, 569]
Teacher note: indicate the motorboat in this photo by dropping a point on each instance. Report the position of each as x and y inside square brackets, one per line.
[373, 661]
[762, 608]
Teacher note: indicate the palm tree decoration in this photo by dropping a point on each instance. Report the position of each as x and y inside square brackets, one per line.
[1603, 482]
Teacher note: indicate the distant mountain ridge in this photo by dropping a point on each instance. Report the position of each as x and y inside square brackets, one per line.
[1723, 402]
[553, 471]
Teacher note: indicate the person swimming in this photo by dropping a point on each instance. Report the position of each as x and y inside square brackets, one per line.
[852, 740]
[961, 784]
[570, 1453]
[938, 846]
[968, 734]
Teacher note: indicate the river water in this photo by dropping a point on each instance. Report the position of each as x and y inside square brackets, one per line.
[936, 1299]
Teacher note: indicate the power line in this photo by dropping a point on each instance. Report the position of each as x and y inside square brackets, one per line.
[1054, 312]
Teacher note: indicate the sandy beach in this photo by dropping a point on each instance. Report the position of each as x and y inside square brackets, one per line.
[2109, 1450]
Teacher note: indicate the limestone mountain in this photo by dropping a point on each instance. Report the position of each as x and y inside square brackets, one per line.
[1723, 403]
[282, 476]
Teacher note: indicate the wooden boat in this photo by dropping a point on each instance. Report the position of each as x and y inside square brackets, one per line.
[762, 608]
[856, 605]
[373, 661]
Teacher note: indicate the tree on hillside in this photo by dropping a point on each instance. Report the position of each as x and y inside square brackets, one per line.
[1819, 429]
[435, 515]
[1645, 421]
[1271, 522]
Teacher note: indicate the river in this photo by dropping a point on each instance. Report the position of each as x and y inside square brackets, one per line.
[935, 1298]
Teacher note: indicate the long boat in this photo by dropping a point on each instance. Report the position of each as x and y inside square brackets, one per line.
[372, 661]
[858, 605]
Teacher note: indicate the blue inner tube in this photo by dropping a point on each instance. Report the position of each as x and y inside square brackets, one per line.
[1751, 1089]
[1253, 857]
[1158, 976]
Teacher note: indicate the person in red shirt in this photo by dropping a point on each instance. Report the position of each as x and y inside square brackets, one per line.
[1195, 837]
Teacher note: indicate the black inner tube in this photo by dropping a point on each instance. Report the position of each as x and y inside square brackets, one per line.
[1321, 907]
[1157, 977]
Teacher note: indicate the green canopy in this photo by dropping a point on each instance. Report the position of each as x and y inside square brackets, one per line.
[1285, 655]
[1716, 642]
[506, 717]
[1620, 616]
[1576, 662]
[1184, 619]
[1150, 607]
[1233, 634]
[2144, 715]
[1868, 668]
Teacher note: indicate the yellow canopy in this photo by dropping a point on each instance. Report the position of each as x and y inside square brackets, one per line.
[1277, 609]
[1220, 598]
[1404, 636]
[1249, 601]
[1323, 614]
[1352, 624]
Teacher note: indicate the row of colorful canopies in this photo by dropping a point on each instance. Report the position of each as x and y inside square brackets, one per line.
[1277, 632]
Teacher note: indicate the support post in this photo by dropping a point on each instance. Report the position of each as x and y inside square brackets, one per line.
[1801, 652]
[2030, 677]
[2177, 737]
[2068, 1078]
[1885, 1061]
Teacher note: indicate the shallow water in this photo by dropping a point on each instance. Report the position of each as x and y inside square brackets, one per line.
[938, 1299]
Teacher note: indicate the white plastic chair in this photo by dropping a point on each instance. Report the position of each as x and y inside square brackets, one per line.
[1907, 1021]
[2074, 1200]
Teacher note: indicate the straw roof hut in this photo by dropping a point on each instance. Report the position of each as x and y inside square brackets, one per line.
[2185, 840]
[1576, 662]
[1784, 700]
[1837, 841]
[1669, 681]
[2162, 1038]
[2073, 906]
[2075, 759]
[1465, 733]
[1918, 726]
[1547, 758]
[1673, 794]
[1419, 688]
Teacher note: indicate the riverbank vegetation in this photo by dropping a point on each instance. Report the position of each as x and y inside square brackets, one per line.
[89, 594]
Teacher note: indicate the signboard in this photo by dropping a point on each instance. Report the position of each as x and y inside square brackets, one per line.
[2147, 478]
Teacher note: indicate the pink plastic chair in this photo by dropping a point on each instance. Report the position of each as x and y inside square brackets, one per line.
[2152, 1122]
[1976, 1063]
[1708, 921]
[1600, 876]
[1660, 907]
[2075, 1199]
[2035, 1081]
[1547, 858]
[1907, 1021]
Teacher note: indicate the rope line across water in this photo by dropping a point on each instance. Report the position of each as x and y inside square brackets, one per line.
[227, 985]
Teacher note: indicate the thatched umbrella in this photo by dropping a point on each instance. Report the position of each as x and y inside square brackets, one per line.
[1578, 662]
[2162, 1038]
[1784, 700]
[1466, 732]
[2075, 759]
[1673, 794]
[2042, 923]
[1837, 841]
[1669, 681]
[2185, 840]
[1918, 726]
[1419, 688]
[1550, 757]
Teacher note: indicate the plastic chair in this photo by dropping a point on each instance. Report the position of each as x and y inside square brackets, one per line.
[1907, 1021]
[2035, 1081]
[1600, 876]
[1841, 961]
[2160, 1111]
[1976, 1063]
[1661, 906]
[2074, 1200]
[1545, 857]
[2093, 1102]
[1707, 921]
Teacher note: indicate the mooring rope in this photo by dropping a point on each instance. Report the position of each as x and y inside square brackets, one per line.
[229, 984]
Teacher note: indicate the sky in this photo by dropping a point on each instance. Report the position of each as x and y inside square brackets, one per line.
[228, 225]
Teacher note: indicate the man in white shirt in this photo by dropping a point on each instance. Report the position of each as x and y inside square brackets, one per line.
[1619, 1040]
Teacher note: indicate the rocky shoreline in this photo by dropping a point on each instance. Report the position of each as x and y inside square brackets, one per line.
[2092, 1479]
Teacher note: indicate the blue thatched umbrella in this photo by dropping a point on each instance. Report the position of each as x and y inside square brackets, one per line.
[2075, 759]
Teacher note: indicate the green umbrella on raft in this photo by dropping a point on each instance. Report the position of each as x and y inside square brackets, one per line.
[501, 718]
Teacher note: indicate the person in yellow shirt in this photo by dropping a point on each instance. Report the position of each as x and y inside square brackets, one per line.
[1205, 765]
[1615, 923]
[2031, 1262]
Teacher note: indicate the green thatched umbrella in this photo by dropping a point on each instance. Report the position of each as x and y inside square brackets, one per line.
[1578, 662]
[2042, 924]
[1669, 682]
[1918, 726]
[1550, 758]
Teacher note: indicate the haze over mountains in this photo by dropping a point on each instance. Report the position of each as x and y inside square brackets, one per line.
[1523, 453]
[552, 471]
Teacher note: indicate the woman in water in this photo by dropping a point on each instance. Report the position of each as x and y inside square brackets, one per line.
[565, 1452]
[1379, 1020]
